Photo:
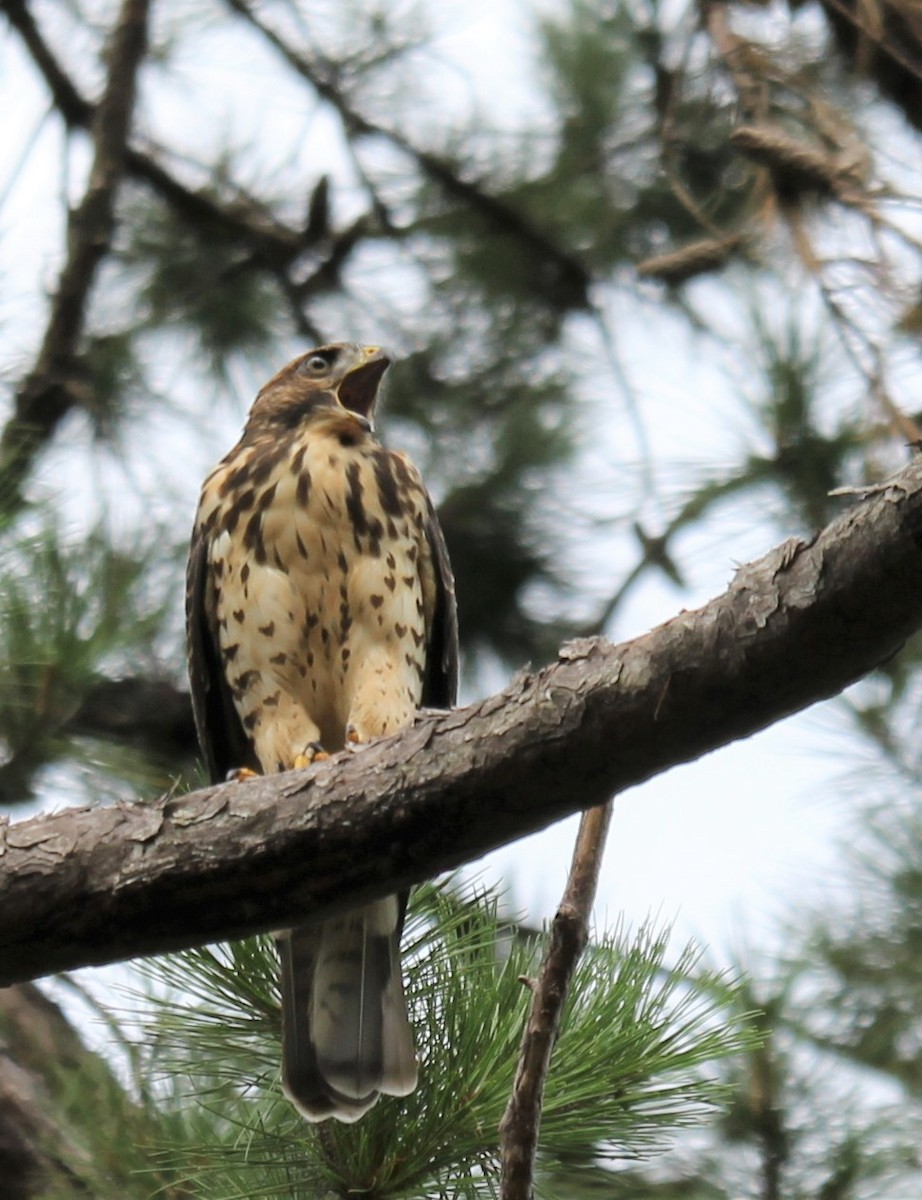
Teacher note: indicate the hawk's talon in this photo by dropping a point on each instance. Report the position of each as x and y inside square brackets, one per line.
[312, 753]
[241, 775]
[354, 740]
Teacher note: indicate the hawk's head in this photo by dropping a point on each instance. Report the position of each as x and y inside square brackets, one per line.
[342, 376]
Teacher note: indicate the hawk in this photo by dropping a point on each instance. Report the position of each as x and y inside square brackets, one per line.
[321, 613]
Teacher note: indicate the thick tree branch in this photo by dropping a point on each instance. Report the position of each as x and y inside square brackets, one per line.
[48, 393]
[87, 886]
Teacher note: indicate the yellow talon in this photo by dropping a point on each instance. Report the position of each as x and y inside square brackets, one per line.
[241, 775]
[314, 753]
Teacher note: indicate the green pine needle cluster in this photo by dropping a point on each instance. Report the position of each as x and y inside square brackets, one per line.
[197, 279]
[629, 1068]
[69, 614]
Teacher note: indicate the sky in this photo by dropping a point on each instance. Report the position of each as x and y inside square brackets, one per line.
[725, 849]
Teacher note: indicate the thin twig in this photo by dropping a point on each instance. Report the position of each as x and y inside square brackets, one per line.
[569, 935]
[877, 36]
[745, 65]
[47, 394]
[849, 332]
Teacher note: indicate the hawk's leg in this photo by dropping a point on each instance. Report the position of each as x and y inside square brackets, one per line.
[284, 735]
[383, 693]
[240, 775]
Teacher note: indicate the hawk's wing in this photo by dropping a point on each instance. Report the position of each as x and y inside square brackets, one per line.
[440, 686]
[224, 743]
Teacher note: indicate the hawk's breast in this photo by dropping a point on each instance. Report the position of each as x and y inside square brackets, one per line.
[318, 554]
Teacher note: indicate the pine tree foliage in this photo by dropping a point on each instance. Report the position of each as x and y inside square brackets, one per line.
[873, 966]
[630, 1065]
[69, 615]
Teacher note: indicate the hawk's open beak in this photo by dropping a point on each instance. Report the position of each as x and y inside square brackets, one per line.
[359, 389]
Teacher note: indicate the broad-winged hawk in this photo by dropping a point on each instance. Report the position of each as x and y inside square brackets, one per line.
[320, 613]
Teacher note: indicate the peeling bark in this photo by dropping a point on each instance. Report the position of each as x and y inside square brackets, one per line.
[89, 886]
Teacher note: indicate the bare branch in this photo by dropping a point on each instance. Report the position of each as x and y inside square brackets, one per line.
[566, 281]
[47, 394]
[246, 221]
[88, 886]
[76, 111]
[271, 244]
[569, 935]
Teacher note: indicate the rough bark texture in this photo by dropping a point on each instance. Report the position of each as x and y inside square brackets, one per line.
[88, 886]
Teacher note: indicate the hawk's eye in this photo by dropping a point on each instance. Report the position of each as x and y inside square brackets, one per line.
[317, 364]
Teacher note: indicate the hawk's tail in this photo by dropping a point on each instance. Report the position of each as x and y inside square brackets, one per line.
[345, 1032]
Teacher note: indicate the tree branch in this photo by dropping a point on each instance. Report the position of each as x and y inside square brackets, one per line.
[47, 394]
[37, 1048]
[245, 220]
[569, 935]
[89, 886]
[147, 712]
[565, 280]
[271, 244]
[884, 45]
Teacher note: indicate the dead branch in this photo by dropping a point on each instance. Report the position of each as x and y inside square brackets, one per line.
[569, 935]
